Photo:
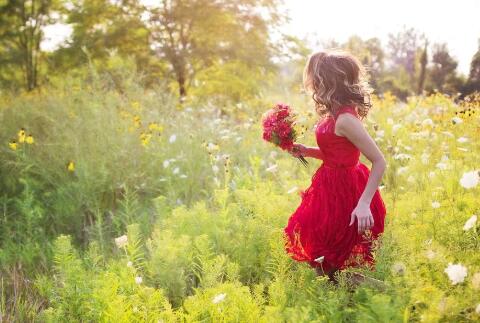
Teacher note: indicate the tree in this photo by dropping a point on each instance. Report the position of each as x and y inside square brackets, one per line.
[443, 72]
[403, 48]
[21, 24]
[195, 34]
[371, 54]
[423, 69]
[473, 82]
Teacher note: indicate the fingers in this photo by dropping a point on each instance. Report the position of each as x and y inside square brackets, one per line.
[352, 219]
[361, 225]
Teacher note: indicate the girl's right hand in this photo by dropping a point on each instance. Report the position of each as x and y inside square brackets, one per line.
[298, 150]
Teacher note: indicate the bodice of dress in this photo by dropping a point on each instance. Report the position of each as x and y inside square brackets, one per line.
[338, 150]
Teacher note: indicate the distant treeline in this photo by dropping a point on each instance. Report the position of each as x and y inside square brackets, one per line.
[212, 49]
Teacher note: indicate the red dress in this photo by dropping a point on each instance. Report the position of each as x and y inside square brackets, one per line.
[319, 226]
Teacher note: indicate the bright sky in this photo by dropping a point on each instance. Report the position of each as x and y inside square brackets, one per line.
[456, 22]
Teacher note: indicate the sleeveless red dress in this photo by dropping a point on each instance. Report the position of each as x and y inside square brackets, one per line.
[319, 226]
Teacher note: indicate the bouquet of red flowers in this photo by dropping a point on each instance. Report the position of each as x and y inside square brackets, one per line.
[278, 128]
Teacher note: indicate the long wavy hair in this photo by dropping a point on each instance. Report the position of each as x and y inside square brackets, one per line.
[336, 78]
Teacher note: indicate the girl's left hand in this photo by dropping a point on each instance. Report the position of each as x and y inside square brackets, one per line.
[364, 216]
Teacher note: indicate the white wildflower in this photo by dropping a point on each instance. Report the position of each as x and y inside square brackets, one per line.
[183, 176]
[292, 190]
[389, 120]
[320, 259]
[442, 166]
[138, 280]
[272, 168]
[470, 223]
[380, 133]
[399, 268]
[425, 158]
[218, 298]
[172, 138]
[402, 156]
[430, 254]
[477, 309]
[215, 168]
[176, 170]
[427, 123]
[435, 204]
[121, 241]
[456, 120]
[462, 140]
[456, 273]
[129, 264]
[470, 179]
[402, 170]
[166, 163]
[476, 281]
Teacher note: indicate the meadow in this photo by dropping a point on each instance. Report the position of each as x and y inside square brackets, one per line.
[121, 205]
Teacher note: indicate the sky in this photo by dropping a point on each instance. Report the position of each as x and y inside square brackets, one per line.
[456, 23]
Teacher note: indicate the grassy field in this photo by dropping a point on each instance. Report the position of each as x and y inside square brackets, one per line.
[122, 206]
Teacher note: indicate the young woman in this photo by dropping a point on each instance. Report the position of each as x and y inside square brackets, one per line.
[341, 212]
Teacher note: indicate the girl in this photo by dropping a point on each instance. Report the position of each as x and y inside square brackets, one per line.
[341, 213]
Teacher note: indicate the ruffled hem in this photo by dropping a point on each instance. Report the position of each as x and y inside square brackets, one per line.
[319, 226]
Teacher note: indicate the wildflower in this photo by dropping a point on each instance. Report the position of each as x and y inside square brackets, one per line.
[135, 105]
[462, 140]
[71, 166]
[402, 156]
[145, 138]
[477, 309]
[456, 120]
[427, 123]
[183, 176]
[476, 281]
[425, 158]
[470, 179]
[138, 280]
[399, 268]
[396, 127]
[456, 273]
[272, 168]
[435, 204]
[212, 147]
[430, 254]
[215, 168]
[13, 145]
[470, 223]
[172, 138]
[121, 241]
[292, 190]
[218, 298]
[176, 170]
[29, 140]
[166, 163]
[442, 166]
[21, 136]
[320, 259]
[136, 121]
[129, 264]
[402, 170]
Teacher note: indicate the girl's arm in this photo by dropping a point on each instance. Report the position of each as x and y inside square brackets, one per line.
[351, 127]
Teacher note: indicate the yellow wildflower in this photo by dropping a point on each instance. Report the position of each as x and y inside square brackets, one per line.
[136, 105]
[13, 145]
[136, 121]
[29, 140]
[145, 138]
[71, 166]
[21, 136]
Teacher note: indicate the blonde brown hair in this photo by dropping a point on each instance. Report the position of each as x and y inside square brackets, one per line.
[337, 78]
